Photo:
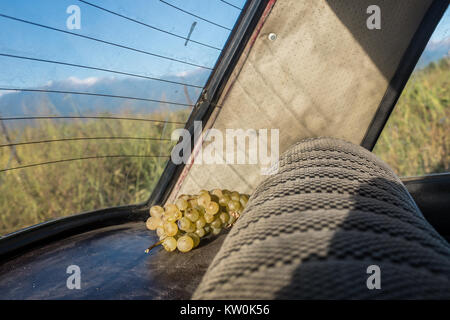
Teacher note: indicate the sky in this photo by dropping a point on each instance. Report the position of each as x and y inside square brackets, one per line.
[442, 31]
[21, 39]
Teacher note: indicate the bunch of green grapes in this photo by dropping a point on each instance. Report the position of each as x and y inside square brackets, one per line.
[182, 225]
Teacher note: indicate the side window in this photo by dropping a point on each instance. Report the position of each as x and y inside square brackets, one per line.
[416, 138]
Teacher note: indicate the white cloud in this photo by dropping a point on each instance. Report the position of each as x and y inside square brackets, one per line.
[87, 81]
[188, 72]
[3, 92]
[182, 74]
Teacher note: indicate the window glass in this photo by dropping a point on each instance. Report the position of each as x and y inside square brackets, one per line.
[416, 138]
[90, 92]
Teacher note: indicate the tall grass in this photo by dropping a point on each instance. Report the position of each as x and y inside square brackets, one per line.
[416, 139]
[37, 194]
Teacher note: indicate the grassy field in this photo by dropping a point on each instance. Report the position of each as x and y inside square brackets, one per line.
[36, 194]
[416, 139]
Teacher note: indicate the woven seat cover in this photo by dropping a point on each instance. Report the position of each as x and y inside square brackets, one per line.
[312, 230]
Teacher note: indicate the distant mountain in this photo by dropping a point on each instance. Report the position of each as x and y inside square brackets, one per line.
[17, 104]
[434, 51]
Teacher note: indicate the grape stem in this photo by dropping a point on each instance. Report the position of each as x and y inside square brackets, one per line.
[153, 246]
[236, 215]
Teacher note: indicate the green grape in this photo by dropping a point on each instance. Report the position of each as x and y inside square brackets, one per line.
[217, 192]
[192, 214]
[234, 205]
[217, 223]
[170, 217]
[171, 208]
[170, 228]
[235, 196]
[212, 208]
[204, 199]
[193, 202]
[200, 232]
[200, 223]
[244, 200]
[184, 224]
[195, 238]
[184, 196]
[214, 198]
[200, 209]
[208, 218]
[173, 211]
[224, 200]
[170, 244]
[224, 217]
[153, 223]
[185, 243]
[182, 204]
[191, 228]
[160, 232]
[216, 231]
[192, 217]
[156, 211]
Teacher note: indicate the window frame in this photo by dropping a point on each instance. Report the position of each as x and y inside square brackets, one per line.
[404, 70]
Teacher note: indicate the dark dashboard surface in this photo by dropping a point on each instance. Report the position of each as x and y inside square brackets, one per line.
[113, 265]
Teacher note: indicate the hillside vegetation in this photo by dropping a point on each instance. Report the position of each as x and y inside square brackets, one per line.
[416, 138]
[41, 193]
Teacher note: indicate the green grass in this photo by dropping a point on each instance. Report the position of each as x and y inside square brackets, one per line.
[416, 138]
[37, 194]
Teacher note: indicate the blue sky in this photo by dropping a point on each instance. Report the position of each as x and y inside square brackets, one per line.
[443, 29]
[21, 39]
